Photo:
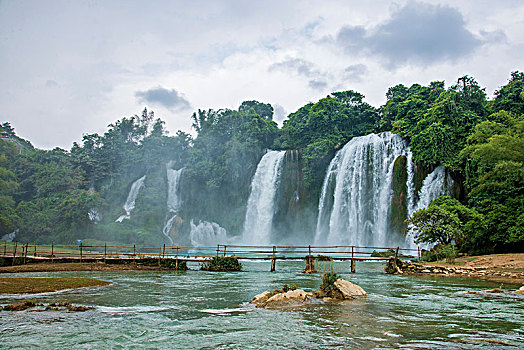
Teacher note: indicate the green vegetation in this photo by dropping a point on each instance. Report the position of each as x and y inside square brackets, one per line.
[328, 282]
[41, 285]
[219, 263]
[61, 196]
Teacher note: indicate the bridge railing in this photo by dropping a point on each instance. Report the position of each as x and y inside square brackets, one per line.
[92, 251]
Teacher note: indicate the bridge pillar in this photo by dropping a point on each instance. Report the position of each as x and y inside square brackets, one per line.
[353, 266]
[310, 264]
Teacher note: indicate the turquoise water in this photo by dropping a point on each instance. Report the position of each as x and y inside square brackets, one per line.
[205, 310]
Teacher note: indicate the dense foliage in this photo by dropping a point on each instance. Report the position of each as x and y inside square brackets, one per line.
[61, 196]
[222, 263]
[319, 129]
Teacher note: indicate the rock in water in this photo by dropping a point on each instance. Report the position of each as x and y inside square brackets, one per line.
[520, 290]
[261, 298]
[349, 290]
[26, 304]
[291, 298]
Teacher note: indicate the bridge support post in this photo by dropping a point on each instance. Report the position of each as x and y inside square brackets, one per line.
[176, 260]
[273, 260]
[310, 264]
[353, 266]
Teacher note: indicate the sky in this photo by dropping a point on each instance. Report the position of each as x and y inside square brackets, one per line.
[69, 68]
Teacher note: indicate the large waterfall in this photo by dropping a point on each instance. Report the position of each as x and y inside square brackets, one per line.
[207, 234]
[261, 202]
[173, 198]
[129, 205]
[355, 202]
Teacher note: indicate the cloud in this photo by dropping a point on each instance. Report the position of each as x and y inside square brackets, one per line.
[279, 113]
[416, 33]
[295, 65]
[304, 68]
[355, 72]
[317, 84]
[170, 99]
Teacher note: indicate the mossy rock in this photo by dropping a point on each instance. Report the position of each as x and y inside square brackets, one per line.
[219, 263]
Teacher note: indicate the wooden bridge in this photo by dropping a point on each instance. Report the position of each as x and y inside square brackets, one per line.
[22, 253]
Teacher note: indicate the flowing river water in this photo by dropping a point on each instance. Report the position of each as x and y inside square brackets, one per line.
[208, 310]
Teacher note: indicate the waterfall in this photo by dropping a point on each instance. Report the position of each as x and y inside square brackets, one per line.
[207, 234]
[261, 202]
[94, 215]
[356, 194]
[436, 184]
[129, 205]
[9, 237]
[173, 198]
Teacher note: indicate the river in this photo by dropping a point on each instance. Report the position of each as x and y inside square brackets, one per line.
[208, 310]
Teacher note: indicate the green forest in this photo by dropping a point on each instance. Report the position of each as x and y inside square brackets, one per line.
[63, 195]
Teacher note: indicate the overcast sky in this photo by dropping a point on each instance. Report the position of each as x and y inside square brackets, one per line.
[72, 67]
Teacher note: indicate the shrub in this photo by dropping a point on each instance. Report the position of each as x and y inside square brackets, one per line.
[182, 264]
[219, 263]
[328, 281]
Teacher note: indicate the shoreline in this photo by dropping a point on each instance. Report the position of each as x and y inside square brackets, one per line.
[501, 268]
[59, 267]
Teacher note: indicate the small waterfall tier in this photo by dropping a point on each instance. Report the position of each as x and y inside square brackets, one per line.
[207, 234]
[173, 198]
[261, 203]
[354, 207]
[129, 205]
[437, 183]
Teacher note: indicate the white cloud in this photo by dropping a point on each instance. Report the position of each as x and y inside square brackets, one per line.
[70, 68]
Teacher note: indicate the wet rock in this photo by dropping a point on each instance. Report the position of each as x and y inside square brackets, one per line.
[23, 305]
[51, 308]
[291, 298]
[349, 290]
[261, 298]
[494, 290]
[80, 308]
[520, 290]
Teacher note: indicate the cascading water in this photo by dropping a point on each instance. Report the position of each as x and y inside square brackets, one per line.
[355, 201]
[173, 198]
[207, 234]
[436, 184]
[94, 215]
[261, 202]
[129, 205]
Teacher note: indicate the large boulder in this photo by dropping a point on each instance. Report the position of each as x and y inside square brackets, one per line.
[261, 298]
[290, 298]
[349, 290]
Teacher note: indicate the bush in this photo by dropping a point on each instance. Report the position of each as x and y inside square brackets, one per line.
[219, 263]
[448, 252]
[182, 264]
[328, 281]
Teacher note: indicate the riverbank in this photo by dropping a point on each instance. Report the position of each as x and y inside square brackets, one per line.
[43, 285]
[503, 268]
[57, 267]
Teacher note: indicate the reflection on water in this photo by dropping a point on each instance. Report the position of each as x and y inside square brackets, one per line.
[206, 310]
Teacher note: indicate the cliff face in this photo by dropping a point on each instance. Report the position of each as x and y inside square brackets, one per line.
[296, 213]
[399, 203]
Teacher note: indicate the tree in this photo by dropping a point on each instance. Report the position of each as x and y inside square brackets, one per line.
[435, 225]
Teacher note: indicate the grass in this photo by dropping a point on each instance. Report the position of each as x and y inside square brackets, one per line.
[42, 285]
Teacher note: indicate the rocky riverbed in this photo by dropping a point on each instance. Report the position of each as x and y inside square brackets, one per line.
[508, 272]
